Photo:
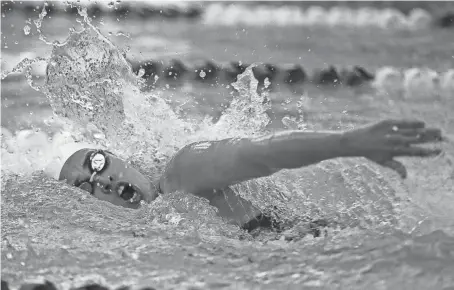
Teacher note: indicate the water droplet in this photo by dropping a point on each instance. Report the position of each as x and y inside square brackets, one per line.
[125, 34]
[266, 83]
[141, 73]
[27, 30]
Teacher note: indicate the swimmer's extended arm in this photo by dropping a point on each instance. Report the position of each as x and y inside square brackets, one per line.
[217, 164]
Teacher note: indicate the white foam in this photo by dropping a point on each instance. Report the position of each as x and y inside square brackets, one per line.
[235, 14]
[24, 152]
[339, 16]
[314, 15]
[28, 151]
[421, 83]
[110, 6]
[415, 82]
[419, 18]
[388, 79]
[366, 17]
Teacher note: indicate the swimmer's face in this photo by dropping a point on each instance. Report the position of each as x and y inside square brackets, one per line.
[115, 180]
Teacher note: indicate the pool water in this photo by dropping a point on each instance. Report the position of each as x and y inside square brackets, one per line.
[385, 233]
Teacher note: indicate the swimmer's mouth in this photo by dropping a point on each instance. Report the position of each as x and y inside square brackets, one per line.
[129, 193]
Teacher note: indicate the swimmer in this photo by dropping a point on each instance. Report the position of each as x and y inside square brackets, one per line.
[207, 169]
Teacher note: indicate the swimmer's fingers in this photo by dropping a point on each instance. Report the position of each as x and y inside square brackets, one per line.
[415, 136]
[415, 152]
[401, 124]
[411, 136]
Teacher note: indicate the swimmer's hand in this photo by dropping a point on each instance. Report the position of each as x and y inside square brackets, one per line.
[383, 141]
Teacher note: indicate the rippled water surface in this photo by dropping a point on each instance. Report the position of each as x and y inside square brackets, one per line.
[383, 233]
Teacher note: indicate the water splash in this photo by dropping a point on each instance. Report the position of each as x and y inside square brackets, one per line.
[90, 83]
[24, 65]
[247, 114]
[93, 91]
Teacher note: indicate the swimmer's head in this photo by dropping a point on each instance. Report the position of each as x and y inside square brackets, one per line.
[108, 178]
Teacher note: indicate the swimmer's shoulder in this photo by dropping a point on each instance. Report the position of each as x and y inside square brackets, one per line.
[204, 165]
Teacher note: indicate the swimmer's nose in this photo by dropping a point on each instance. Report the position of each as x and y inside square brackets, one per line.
[106, 183]
[97, 179]
[102, 180]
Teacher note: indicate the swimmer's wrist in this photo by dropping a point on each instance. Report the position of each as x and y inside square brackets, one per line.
[347, 147]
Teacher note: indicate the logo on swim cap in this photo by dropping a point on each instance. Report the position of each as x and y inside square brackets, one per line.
[98, 161]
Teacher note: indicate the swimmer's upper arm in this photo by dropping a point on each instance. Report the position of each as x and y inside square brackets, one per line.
[209, 165]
